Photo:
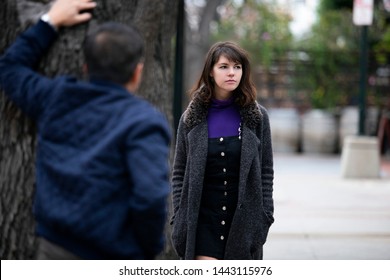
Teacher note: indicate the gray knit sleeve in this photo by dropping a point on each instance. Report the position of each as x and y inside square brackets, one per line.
[267, 164]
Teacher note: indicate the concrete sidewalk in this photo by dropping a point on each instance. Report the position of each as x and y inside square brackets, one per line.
[319, 215]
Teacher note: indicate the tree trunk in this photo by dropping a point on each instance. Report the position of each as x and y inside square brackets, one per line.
[156, 21]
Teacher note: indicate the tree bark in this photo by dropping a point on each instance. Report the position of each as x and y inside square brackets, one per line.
[155, 19]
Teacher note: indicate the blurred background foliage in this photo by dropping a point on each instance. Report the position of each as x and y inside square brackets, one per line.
[260, 28]
[318, 69]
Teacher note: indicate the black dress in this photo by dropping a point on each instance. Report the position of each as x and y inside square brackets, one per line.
[219, 196]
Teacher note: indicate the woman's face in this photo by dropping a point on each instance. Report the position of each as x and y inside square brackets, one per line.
[227, 76]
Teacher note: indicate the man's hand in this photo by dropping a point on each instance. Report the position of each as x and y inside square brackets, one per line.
[67, 12]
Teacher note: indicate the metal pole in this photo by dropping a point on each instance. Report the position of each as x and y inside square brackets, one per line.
[363, 79]
[179, 54]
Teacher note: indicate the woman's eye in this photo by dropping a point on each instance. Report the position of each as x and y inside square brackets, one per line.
[238, 66]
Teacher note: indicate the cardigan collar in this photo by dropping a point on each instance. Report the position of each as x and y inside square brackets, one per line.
[197, 110]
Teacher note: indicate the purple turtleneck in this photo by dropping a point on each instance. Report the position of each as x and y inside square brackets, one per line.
[223, 118]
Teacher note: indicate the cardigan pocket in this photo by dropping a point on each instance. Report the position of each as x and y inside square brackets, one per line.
[262, 232]
[266, 226]
[268, 218]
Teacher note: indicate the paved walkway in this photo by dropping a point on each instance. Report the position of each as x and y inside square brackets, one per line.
[319, 215]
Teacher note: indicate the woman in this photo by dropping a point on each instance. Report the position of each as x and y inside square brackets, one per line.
[223, 168]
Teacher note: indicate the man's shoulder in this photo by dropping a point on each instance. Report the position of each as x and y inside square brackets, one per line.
[142, 118]
[111, 98]
[143, 108]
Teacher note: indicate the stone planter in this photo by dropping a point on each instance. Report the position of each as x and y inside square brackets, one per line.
[360, 157]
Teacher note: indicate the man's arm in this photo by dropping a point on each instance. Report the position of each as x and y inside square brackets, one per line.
[17, 76]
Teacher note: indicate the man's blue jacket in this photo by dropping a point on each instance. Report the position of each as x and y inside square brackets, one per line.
[102, 157]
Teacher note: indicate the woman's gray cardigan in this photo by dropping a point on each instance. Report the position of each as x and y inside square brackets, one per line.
[254, 213]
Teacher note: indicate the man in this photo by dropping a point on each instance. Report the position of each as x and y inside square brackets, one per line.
[102, 154]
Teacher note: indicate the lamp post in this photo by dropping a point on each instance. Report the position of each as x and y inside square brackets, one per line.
[360, 154]
[179, 53]
[363, 79]
[362, 16]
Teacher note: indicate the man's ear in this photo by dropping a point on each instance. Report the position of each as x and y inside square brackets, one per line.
[135, 80]
[137, 75]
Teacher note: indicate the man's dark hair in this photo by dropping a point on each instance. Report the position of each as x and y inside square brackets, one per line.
[112, 52]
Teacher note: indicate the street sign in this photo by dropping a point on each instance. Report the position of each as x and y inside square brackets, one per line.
[363, 11]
